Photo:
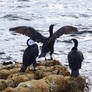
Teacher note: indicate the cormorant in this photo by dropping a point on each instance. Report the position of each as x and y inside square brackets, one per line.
[30, 55]
[48, 42]
[75, 58]
[48, 47]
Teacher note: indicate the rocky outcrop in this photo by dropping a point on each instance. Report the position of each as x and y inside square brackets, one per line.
[50, 76]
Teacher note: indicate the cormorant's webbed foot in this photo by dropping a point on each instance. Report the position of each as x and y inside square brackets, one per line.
[34, 65]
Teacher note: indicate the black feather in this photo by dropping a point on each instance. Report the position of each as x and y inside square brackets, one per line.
[30, 32]
[29, 56]
[48, 46]
[48, 43]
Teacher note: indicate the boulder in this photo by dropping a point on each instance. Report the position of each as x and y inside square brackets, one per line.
[20, 77]
[2, 84]
[36, 85]
[4, 74]
[74, 84]
[56, 82]
[50, 76]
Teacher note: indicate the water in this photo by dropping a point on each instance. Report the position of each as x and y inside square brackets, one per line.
[40, 14]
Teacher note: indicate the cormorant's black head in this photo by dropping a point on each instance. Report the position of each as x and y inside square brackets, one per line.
[75, 44]
[51, 29]
[51, 26]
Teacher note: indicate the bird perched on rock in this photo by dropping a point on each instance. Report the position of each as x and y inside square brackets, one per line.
[48, 46]
[30, 55]
[48, 42]
[75, 58]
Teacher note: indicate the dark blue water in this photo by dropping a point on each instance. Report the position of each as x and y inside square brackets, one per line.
[40, 14]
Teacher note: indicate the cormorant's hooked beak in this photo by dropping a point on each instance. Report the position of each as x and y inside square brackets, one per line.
[71, 40]
[68, 41]
[74, 40]
[54, 24]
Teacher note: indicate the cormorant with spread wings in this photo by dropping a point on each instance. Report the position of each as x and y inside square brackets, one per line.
[48, 42]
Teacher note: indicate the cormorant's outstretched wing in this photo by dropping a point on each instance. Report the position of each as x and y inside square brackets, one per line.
[30, 32]
[63, 30]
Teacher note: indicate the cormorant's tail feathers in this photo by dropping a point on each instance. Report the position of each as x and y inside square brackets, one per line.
[74, 73]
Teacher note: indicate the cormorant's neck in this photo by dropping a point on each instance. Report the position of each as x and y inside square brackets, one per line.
[51, 31]
[75, 46]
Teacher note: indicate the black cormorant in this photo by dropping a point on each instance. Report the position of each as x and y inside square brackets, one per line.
[30, 55]
[75, 58]
[48, 47]
[48, 42]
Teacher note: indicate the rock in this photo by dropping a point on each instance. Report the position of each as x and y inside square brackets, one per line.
[52, 63]
[59, 83]
[2, 84]
[14, 70]
[4, 74]
[81, 82]
[9, 89]
[20, 77]
[43, 71]
[48, 63]
[50, 76]
[18, 89]
[22, 89]
[61, 70]
[10, 83]
[11, 66]
[36, 86]
[75, 84]
[7, 63]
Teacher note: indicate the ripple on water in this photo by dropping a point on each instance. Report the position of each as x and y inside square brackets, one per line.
[14, 17]
[1, 53]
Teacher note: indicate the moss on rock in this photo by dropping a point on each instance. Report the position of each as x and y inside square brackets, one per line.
[75, 84]
[4, 73]
[2, 84]
[36, 85]
[56, 82]
[50, 76]
[9, 89]
[20, 77]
